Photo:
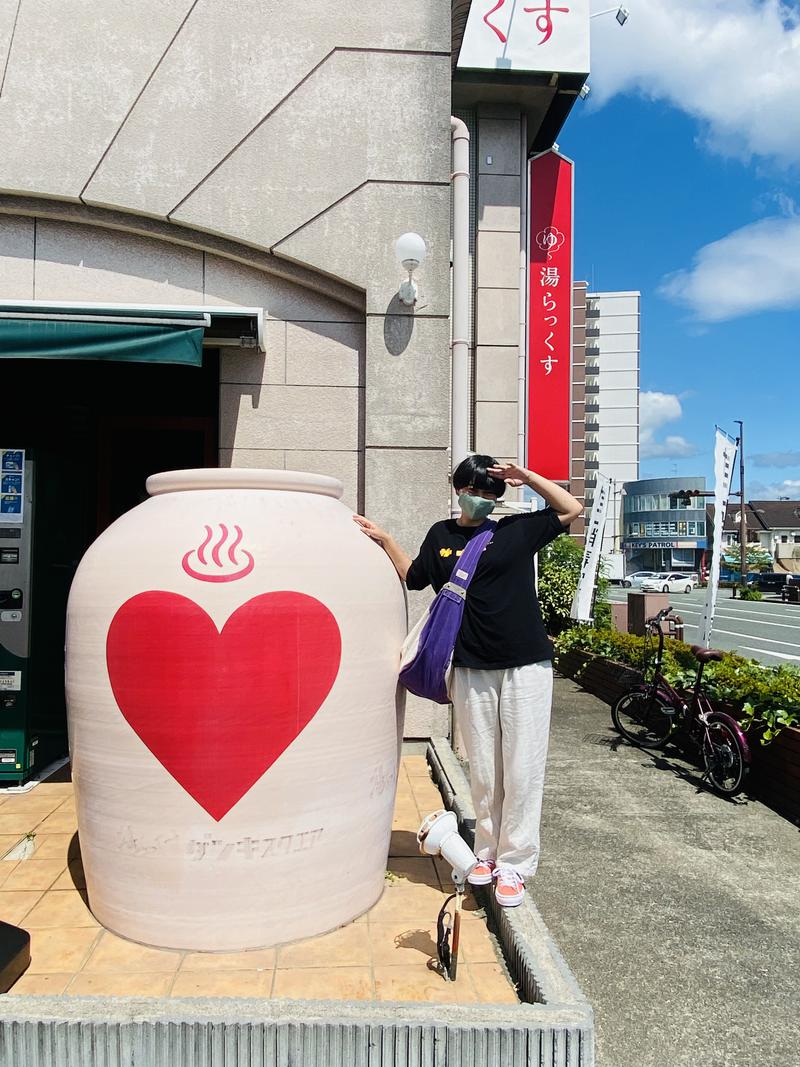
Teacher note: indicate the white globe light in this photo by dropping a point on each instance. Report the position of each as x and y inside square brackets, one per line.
[410, 251]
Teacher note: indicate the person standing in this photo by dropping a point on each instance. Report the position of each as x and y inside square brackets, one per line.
[502, 682]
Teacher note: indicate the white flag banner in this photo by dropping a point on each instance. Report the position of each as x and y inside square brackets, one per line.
[581, 609]
[724, 455]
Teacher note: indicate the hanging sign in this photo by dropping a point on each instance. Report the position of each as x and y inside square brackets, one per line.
[545, 35]
[582, 602]
[550, 316]
[724, 456]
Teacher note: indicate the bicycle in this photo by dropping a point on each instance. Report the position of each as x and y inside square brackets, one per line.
[652, 712]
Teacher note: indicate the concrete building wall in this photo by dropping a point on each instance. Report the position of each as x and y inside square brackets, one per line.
[298, 405]
[304, 139]
[612, 387]
[582, 421]
[498, 246]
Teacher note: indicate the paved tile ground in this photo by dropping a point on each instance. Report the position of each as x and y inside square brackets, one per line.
[677, 911]
[385, 955]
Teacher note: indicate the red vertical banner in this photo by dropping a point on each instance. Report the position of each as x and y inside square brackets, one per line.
[550, 316]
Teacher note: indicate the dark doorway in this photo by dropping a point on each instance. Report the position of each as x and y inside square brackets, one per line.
[94, 431]
[97, 430]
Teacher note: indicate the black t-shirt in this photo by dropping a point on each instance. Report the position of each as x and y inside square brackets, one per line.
[502, 624]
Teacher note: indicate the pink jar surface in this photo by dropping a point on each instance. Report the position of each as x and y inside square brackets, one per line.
[232, 654]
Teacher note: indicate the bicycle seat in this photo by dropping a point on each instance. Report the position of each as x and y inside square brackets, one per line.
[706, 655]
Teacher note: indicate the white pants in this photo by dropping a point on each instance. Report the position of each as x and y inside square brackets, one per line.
[504, 718]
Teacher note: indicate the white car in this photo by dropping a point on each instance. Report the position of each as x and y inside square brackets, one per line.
[669, 582]
[637, 578]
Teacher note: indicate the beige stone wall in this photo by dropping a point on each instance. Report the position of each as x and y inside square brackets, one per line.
[313, 133]
[299, 405]
[497, 248]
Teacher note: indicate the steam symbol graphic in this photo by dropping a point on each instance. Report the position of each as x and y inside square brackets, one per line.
[550, 239]
[218, 568]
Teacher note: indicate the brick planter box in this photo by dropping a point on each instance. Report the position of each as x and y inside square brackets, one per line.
[775, 773]
[602, 678]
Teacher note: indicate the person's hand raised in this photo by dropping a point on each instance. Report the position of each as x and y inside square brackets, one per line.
[510, 473]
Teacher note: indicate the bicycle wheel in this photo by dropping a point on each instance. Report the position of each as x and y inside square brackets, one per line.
[724, 759]
[641, 719]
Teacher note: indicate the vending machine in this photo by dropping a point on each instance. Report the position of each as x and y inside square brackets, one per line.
[32, 714]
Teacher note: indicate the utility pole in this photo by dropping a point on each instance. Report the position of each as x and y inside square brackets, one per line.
[742, 512]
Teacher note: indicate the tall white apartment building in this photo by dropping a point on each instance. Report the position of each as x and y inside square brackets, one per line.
[612, 399]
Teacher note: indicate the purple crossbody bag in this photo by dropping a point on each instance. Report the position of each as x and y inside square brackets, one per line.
[426, 662]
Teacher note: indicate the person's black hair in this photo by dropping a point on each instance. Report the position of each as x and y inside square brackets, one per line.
[472, 472]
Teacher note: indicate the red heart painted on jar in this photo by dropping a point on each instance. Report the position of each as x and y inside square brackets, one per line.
[217, 709]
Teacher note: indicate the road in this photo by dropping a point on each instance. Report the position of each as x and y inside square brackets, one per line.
[766, 630]
[677, 911]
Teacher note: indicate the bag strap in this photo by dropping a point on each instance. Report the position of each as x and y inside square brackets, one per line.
[467, 562]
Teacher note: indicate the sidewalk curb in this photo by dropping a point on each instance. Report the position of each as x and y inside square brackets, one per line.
[542, 973]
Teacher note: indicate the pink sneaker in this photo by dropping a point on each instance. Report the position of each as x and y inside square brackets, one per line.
[510, 888]
[482, 874]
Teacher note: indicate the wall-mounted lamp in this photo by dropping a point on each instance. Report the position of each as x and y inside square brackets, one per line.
[411, 252]
[620, 13]
[584, 90]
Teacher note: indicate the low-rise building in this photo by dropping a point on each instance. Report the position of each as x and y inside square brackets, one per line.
[663, 527]
[772, 525]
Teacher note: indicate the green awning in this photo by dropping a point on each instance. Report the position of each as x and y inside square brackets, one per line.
[124, 336]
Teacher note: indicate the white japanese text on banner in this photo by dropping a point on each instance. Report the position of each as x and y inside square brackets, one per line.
[581, 609]
[724, 456]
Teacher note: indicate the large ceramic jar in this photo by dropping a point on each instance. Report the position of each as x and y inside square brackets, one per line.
[232, 657]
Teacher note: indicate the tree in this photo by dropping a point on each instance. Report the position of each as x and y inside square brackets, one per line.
[559, 571]
[758, 558]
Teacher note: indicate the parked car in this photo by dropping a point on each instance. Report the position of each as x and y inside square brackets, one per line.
[669, 582]
[635, 580]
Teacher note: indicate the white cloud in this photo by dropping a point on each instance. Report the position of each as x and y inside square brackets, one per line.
[655, 410]
[672, 447]
[755, 268]
[774, 490]
[732, 64]
[776, 459]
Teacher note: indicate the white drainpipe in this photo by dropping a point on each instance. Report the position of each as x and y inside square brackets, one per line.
[522, 393]
[459, 434]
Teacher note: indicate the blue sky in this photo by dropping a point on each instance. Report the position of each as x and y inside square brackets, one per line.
[688, 188]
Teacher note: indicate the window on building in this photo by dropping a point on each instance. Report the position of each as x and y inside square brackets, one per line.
[691, 528]
[683, 556]
[682, 529]
[701, 528]
[784, 539]
[797, 539]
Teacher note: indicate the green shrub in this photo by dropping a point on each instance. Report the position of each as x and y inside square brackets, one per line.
[769, 697]
[559, 570]
[750, 593]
